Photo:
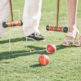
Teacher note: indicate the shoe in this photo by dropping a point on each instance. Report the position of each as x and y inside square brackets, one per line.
[78, 43]
[36, 36]
[70, 38]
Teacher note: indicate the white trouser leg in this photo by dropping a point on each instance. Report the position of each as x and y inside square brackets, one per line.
[4, 10]
[31, 16]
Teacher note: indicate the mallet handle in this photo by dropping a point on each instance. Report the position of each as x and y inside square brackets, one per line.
[11, 10]
[57, 19]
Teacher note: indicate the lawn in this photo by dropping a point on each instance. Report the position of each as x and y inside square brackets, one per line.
[19, 57]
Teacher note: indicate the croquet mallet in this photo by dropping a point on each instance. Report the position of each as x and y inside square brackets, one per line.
[57, 28]
[12, 22]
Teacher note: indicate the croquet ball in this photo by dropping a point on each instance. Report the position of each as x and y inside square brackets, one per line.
[43, 59]
[51, 48]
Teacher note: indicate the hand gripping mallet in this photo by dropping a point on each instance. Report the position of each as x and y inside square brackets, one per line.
[57, 28]
[12, 22]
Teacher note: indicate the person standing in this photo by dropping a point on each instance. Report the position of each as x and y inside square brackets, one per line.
[31, 19]
[72, 24]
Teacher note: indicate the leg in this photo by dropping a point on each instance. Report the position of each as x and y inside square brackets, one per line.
[31, 19]
[31, 16]
[4, 10]
[72, 15]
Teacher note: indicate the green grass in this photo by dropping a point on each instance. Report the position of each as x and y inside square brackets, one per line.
[19, 58]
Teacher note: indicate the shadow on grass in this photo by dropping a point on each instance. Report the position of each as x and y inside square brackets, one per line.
[14, 40]
[15, 54]
[32, 50]
[60, 47]
[36, 65]
[36, 48]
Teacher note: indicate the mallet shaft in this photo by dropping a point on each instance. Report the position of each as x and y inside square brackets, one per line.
[57, 19]
[11, 10]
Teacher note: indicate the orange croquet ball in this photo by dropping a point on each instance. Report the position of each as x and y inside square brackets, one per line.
[51, 48]
[43, 59]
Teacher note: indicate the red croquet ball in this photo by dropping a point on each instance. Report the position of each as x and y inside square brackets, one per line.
[51, 48]
[43, 59]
